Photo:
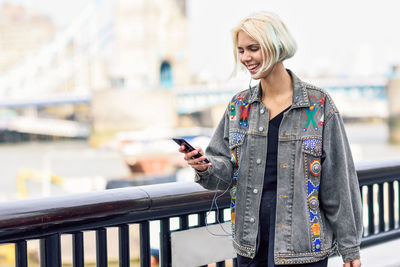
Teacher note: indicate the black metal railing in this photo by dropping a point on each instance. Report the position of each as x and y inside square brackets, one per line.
[48, 219]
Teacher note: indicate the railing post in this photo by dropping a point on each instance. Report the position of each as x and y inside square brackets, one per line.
[101, 247]
[371, 219]
[78, 258]
[391, 205]
[21, 259]
[50, 251]
[144, 229]
[381, 209]
[123, 232]
[165, 243]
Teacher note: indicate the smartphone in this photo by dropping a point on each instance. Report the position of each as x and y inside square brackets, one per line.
[188, 147]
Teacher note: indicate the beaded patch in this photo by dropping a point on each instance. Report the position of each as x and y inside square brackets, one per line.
[313, 145]
[313, 205]
[313, 215]
[317, 245]
[315, 229]
[312, 188]
[236, 138]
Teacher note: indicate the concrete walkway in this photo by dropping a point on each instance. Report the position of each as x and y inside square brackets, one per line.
[385, 255]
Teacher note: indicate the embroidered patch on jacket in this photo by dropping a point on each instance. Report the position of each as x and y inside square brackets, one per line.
[313, 205]
[313, 215]
[313, 145]
[317, 245]
[244, 115]
[315, 167]
[232, 112]
[240, 100]
[312, 113]
[234, 159]
[312, 188]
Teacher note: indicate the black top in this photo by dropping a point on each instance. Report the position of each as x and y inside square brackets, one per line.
[270, 174]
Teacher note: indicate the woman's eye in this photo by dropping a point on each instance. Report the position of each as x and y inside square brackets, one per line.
[254, 49]
[240, 51]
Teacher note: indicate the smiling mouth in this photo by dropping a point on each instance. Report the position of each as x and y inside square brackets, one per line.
[253, 68]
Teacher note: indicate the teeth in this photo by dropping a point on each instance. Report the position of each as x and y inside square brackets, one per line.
[252, 67]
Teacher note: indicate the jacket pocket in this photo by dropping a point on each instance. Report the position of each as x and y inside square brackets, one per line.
[312, 152]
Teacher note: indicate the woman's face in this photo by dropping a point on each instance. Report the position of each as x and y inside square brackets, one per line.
[250, 55]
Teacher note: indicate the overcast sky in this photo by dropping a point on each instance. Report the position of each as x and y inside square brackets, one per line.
[340, 37]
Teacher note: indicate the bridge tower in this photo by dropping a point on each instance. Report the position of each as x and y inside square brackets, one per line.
[151, 44]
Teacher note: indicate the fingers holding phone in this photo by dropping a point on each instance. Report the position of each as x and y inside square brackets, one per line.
[193, 156]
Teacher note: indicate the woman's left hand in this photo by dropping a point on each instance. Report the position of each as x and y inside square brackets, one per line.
[354, 263]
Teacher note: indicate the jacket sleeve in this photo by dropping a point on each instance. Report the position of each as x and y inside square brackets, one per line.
[219, 174]
[340, 192]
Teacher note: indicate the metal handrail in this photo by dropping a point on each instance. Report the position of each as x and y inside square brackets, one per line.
[48, 218]
[28, 218]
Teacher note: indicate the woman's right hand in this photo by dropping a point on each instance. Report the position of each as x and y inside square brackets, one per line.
[196, 163]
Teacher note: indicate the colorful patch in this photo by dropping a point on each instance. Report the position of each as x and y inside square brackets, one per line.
[236, 138]
[233, 158]
[321, 121]
[317, 245]
[244, 115]
[240, 99]
[315, 167]
[313, 215]
[232, 112]
[313, 145]
[313, 112]
[235, 175]
[316, 229]
[233, 192]
[233, 217]
[312, 188]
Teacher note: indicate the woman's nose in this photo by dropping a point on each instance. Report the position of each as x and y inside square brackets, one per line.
[246, 56]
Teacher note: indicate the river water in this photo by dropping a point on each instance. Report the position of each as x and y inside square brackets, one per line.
[84, 168]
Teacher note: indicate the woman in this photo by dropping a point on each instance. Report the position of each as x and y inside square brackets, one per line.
[282, 150]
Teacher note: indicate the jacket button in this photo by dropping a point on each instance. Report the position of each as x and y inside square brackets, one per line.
[261, 129]
[258, 161]
[314, 203]
[252, 220]
[262, 111]
[255, 191]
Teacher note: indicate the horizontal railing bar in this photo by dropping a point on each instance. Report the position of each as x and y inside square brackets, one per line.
[378, 172]
[28, 214]
[380, 238]
[134, 217]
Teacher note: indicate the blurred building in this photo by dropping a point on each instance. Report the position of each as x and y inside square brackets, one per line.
[121, 56]
[22, 30]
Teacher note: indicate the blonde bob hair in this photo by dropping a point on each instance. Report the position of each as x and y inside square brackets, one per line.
[275, 41]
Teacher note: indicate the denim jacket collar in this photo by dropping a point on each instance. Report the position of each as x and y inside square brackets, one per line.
[300, 95]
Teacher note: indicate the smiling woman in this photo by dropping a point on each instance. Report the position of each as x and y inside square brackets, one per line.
[282, 152]
[273, 47]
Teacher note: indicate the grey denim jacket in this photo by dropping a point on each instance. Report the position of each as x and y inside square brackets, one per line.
[318, 209]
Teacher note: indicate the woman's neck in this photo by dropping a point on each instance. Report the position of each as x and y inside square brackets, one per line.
[278, 82]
